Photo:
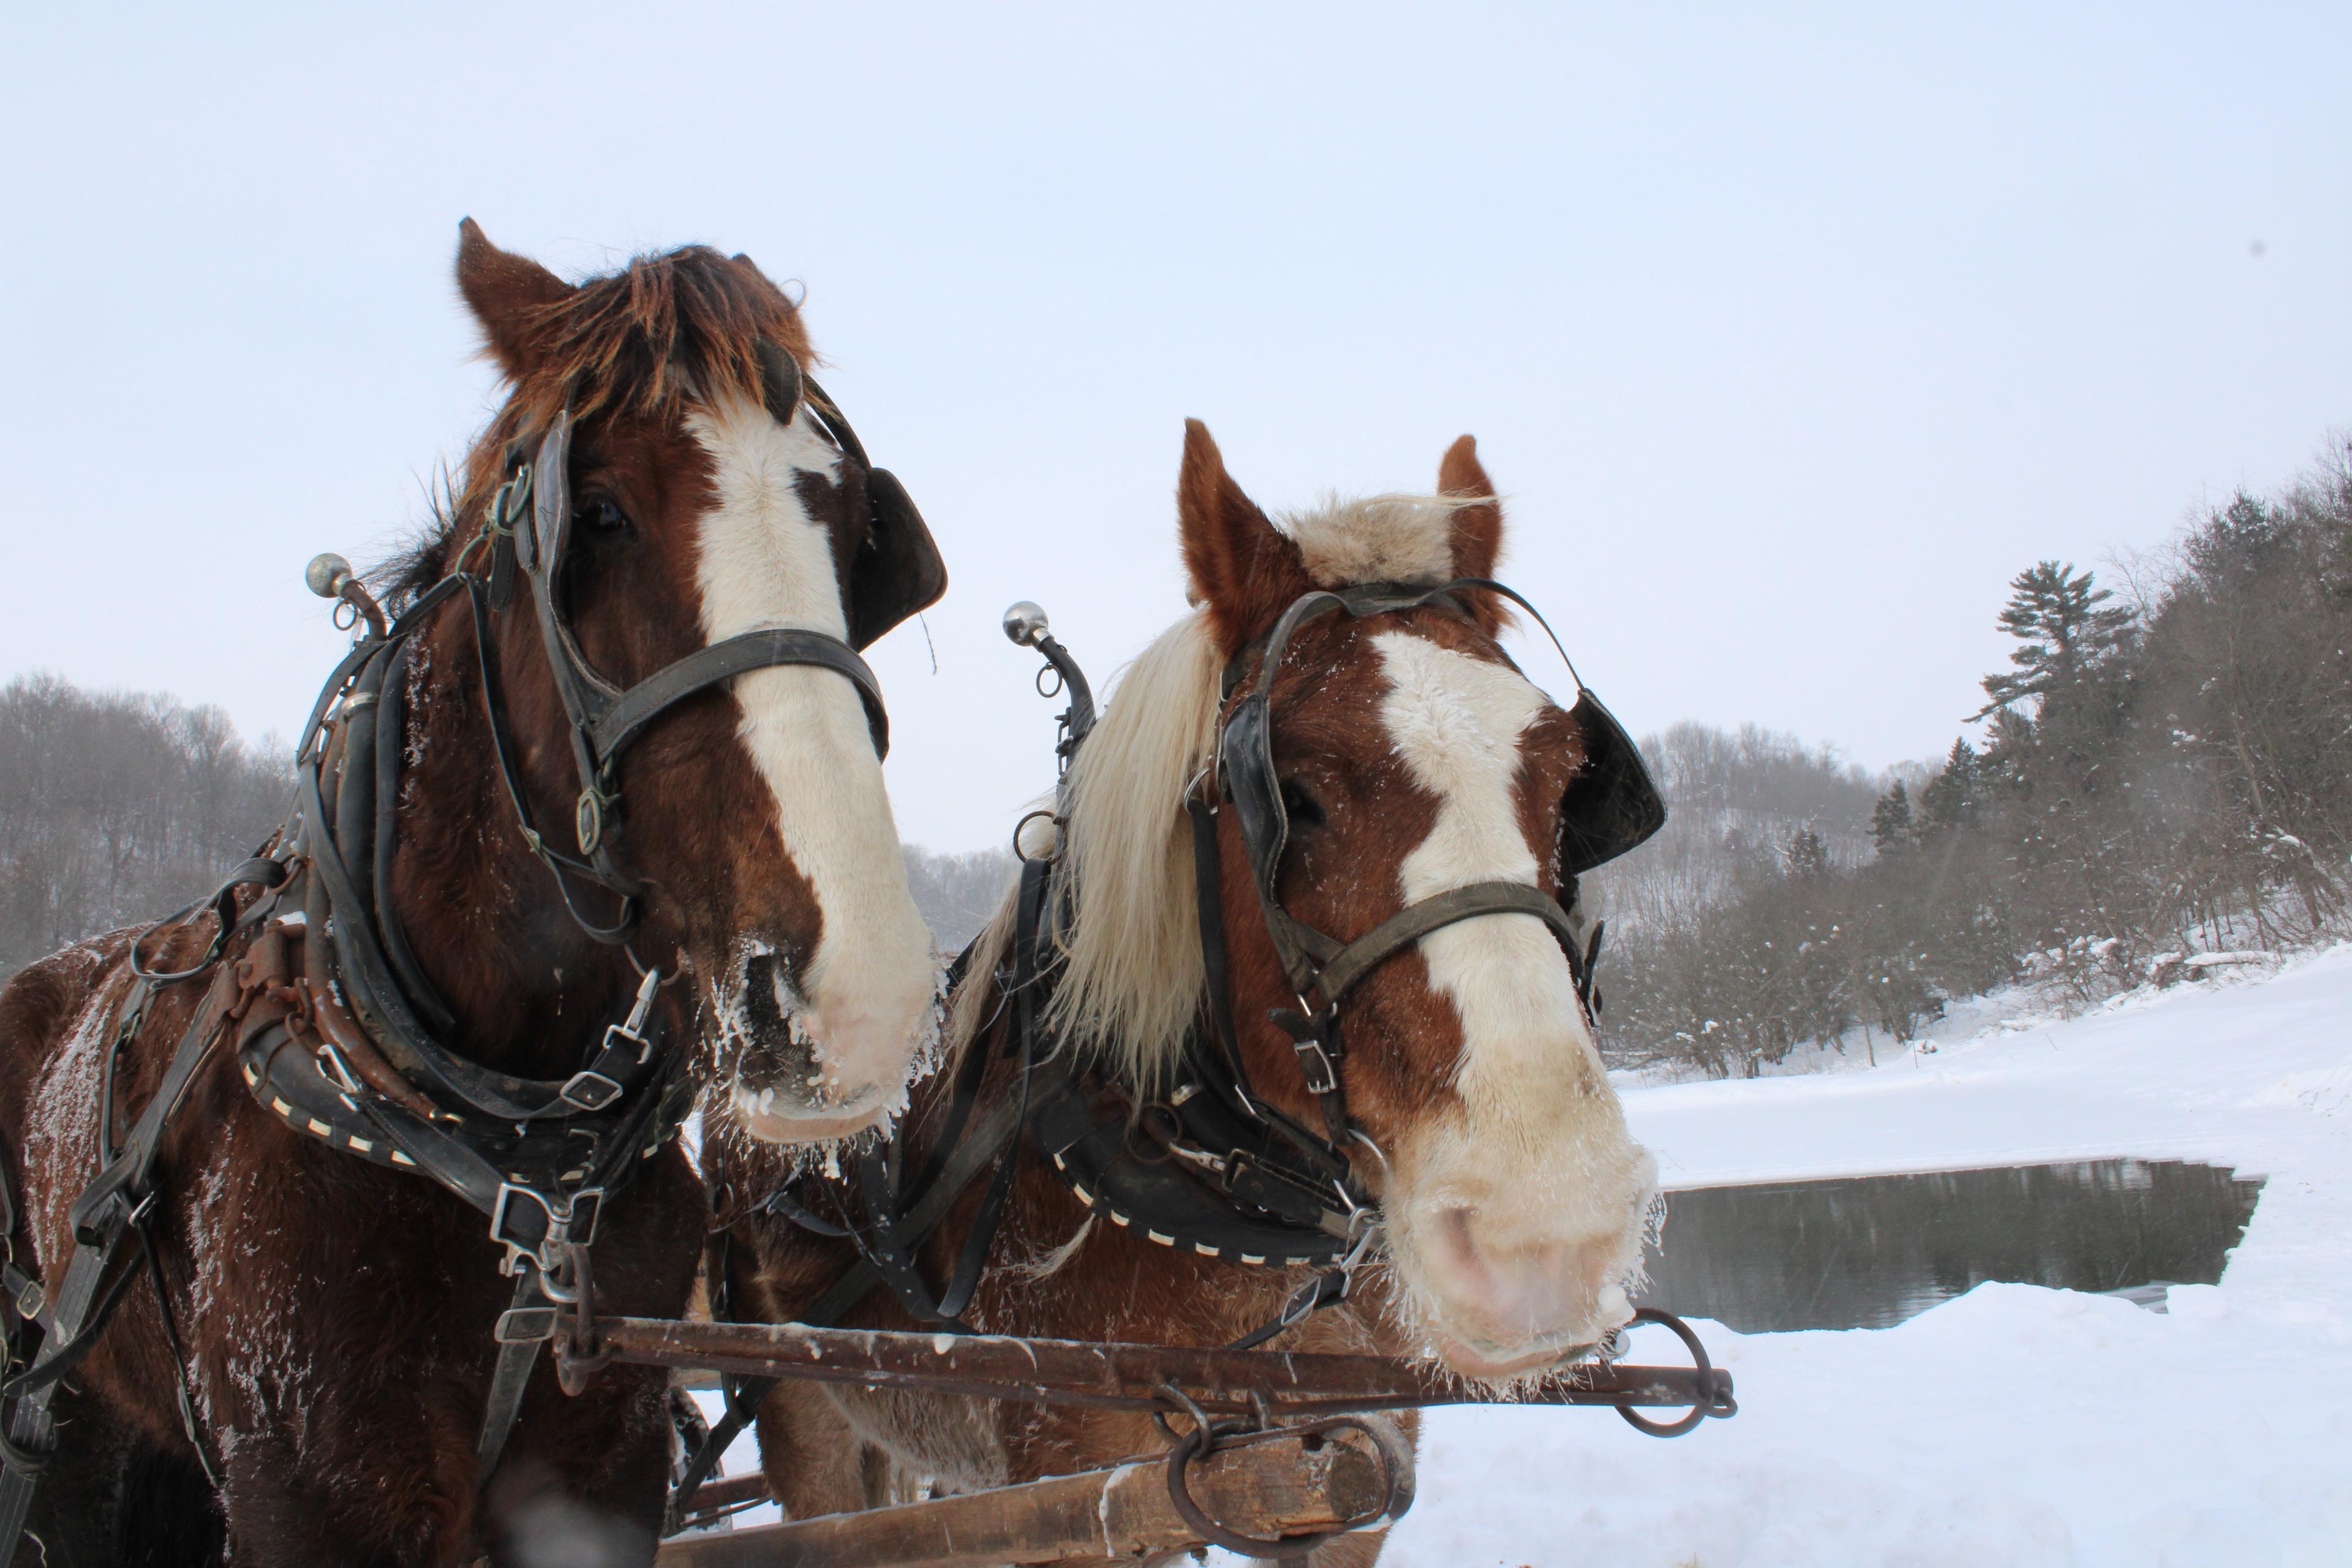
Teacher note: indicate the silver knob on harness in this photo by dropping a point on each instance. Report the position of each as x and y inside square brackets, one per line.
[328, 575]
[1024, 623]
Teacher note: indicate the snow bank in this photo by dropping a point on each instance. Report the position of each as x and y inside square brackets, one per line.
[2015, 1425]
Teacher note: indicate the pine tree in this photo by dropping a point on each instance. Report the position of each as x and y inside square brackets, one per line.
[1890, 820]
[2062, 631]
[1949, 799]
[1806, 855]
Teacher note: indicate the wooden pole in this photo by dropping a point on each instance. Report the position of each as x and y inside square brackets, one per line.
[1121, 1376]
[1287, 1486]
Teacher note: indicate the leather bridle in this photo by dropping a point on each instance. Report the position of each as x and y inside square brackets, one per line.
[1597, 824]
[897, 572]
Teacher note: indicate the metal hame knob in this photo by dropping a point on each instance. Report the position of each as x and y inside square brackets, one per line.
[328, 575]
[1024, 623]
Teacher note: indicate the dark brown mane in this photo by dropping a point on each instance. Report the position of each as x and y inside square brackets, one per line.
[640, 341]
[634, 344]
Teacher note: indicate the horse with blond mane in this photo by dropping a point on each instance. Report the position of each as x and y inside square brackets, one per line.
[1285, 1032]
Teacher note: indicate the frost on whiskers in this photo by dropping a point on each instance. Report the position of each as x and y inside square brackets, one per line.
[755, 1031]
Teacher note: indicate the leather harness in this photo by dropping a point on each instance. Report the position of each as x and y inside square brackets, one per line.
[338, 1032]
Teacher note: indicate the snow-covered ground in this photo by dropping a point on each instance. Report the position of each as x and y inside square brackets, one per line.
[2015, 1425]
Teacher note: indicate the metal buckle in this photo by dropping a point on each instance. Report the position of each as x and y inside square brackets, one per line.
[1315, 1065]
[588, 820]
[590, 1089]
[526, 1325]
[336, 1070]
[633, 1030]
[613, 1032]
[573, 1223]
[1310, 1297]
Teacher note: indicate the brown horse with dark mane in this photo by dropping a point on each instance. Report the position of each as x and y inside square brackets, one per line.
[592, 823]
[1285, 1036]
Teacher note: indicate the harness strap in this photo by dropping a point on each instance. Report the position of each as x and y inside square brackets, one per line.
[1208, 882]
[560, 866]
[762, 649]
[184, 1394]
[512, 1375]
[114, 1207]
[32, 1435]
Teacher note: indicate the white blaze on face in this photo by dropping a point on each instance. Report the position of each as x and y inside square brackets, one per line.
[763, 563]
[1456, 722]
[1515, 1212]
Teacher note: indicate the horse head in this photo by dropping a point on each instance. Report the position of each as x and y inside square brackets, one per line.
[1409, 759]
[666, 479]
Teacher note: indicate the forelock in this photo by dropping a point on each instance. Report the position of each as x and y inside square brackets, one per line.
[1377, 539]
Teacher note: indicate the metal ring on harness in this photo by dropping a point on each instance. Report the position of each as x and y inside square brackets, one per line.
[1396, 1474]
[1724, 1408]
[1026, 858]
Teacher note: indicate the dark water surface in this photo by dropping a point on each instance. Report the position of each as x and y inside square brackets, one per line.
[1865, 1252]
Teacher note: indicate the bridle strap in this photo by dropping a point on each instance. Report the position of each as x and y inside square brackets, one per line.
[1340, 974]
[763, 649]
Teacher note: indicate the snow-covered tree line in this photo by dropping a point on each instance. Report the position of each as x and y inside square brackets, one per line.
[2165, 766]
[116, 808]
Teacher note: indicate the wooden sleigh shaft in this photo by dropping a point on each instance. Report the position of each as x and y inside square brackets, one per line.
[1287, 1486]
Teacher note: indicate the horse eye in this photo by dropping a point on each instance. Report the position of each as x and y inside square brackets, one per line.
[602, 516]
[1299, 807]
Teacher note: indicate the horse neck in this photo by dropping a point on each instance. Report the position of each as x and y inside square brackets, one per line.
[528, 989]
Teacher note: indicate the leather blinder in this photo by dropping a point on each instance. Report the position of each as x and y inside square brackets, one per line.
[1612, 804]
[898, 571]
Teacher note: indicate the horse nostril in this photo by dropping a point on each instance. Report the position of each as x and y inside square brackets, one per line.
[763, 1007]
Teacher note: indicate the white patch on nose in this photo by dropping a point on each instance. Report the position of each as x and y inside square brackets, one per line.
[1516, 1216]
[1456, 721]
[764, 562]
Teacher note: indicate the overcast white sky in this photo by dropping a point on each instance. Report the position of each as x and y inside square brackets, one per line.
[1790, 342]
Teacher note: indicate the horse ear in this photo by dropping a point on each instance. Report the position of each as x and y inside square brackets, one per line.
[1240, 566]
[1477, 529]
[509, 296]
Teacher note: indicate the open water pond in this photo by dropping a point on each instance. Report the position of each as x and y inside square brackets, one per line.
[1867, 1252]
